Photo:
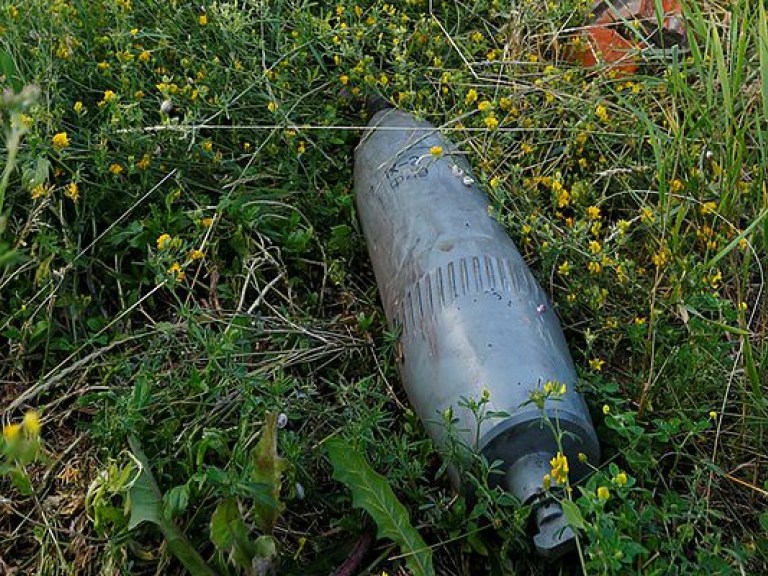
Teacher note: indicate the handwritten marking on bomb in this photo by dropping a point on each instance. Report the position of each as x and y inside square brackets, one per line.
[405, 169]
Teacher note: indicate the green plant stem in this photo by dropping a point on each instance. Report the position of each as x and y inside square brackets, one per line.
[10, 163]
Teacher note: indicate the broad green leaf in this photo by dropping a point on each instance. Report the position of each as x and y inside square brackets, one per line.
[230, 534]
[268, 469]
[146, 505]
[372, 493]
[176, 500]
[573, 515]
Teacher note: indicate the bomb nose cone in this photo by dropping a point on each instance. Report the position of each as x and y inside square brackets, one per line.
[555, 537]
[374, 104]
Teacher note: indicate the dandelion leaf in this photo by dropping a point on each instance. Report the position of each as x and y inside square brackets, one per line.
[145, 502]
[372, 493]
[230, 534]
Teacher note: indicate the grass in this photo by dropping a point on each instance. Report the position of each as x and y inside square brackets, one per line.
[183, 262]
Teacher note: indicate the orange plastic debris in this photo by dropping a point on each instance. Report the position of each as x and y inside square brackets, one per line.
[609, 37]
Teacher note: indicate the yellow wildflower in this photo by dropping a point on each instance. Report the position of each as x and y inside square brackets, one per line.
[554, 388]
[344, 79]
[11, 432]
[564, 269]
[594, 267]
[78, 107]
[272, 106]
[491, 122]
[109, 95]
[596, 364]
[559, 468]
[603, 493]
[595, 247]
[202, 20]
[60, 140]
[716, 279]
[621, 479]
[31, 423]
[176, 269]
[484, 105]
[436, 150]
[708, 208]
[164, 241]
[143, 164]
[115, 168]
[144, 56]
[471, 96]
[606, 409]
[206, 222]
[712, 415]
[601, 112]
[196, 254]
[546, 482]
[40, 191]
[593, 212]
[661, 258]
[302, 147]
[71, 191]
[647, 215]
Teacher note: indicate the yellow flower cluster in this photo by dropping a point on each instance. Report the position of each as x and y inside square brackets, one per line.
[60, 140]
[71, 191]
[164, 241]
[176, 270]
[559, 466]
[552, 388]
[30, 426]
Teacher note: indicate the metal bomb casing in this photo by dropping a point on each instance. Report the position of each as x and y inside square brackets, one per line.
[472, 317]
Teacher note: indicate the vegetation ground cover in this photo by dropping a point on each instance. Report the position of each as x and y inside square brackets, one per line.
[187, 306]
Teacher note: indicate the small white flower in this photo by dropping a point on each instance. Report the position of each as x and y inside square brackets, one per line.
[468, 181]
[458, 172]
[166, 107]
[282, 420]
